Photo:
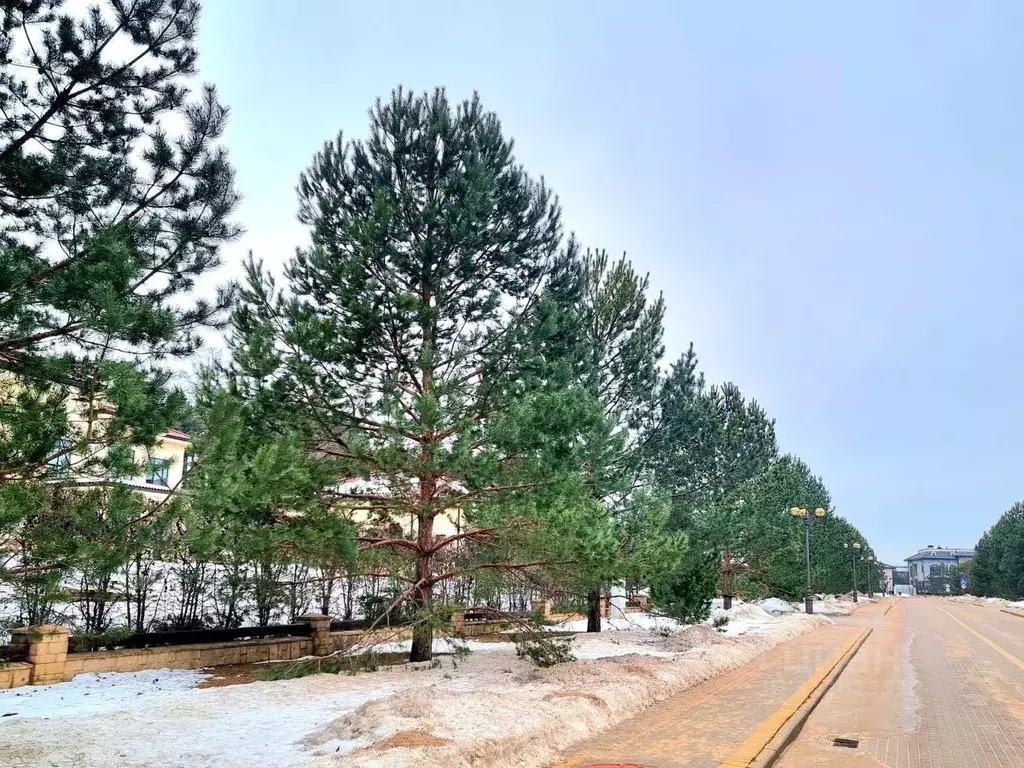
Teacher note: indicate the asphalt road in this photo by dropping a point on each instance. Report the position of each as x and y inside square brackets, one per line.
[938, 683]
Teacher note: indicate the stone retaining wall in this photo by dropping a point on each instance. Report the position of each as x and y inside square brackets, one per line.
[196, 656]
[14, 674]
[48, 661]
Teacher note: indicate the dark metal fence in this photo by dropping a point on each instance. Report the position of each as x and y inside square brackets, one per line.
[195, 636]
[12, 653]
[347, 625]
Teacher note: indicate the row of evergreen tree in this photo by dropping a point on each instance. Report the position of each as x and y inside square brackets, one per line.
[439, 344]
[997, 568]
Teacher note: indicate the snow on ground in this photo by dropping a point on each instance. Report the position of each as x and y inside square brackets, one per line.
[542, 711]
[123, 723]
[447, 715]
[98, 693]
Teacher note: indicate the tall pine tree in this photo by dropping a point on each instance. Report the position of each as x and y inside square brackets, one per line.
[395, 334]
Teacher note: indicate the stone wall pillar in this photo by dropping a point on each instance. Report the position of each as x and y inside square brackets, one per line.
[321, 633]
[459, 621]
[542, 607]
[46, 649]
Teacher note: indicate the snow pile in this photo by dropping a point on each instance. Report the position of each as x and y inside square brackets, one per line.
[975, 600]
[831, 606]
[692, 637]
[632, 621]
[972, 600]
[775, 605]
[605, 645]
[542, 711]
[744, 619]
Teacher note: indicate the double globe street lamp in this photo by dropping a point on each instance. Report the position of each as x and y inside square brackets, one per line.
[808, 517]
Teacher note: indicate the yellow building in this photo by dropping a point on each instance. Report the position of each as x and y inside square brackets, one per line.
[162, 464]
[448, 523]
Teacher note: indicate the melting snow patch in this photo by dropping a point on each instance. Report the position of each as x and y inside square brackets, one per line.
[232, 726]
[775, 605]
[98, 693]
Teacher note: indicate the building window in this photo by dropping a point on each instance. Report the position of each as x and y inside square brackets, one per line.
[159, 472]
[61, 457]
[189, 462]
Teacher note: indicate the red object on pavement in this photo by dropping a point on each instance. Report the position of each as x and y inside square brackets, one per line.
[613, 765]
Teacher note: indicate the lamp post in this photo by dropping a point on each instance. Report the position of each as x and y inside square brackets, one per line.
[808, 516]
[855, 547]
[870, 560]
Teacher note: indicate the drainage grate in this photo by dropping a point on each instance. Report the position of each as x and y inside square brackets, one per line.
[850, 743]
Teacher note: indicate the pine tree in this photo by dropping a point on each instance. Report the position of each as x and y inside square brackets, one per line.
[109, 214]
[709, 443]
[997, 569]
[597, 330]
[396, 338]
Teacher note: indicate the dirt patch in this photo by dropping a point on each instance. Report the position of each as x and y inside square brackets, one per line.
[692, 637]
[595, 700]
[409, 739]
[635, 669]
[231, 674]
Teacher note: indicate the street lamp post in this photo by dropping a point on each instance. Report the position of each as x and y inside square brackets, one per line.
[871, 573]
[855, 547]
[808, 516]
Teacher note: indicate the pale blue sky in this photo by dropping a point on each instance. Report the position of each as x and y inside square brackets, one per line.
[830, 200]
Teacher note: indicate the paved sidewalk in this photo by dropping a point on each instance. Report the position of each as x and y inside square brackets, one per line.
[924, 692]
[700, 727]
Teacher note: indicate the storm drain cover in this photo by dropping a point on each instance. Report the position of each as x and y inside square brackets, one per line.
[850, 743]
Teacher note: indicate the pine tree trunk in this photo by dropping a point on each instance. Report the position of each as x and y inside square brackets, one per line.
[423, 628]
[727, 602]
[594, 611]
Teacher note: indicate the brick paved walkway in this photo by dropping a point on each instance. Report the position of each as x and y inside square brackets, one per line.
[702, 726]
[923, 692]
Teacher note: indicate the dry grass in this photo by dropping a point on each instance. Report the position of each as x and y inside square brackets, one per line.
[410, 739]
[597, 701]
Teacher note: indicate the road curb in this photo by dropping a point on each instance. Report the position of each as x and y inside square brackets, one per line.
[783, 726]
[793, 727]
[1012, 612]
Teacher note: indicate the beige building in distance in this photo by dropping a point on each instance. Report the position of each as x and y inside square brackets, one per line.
[163, 464]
